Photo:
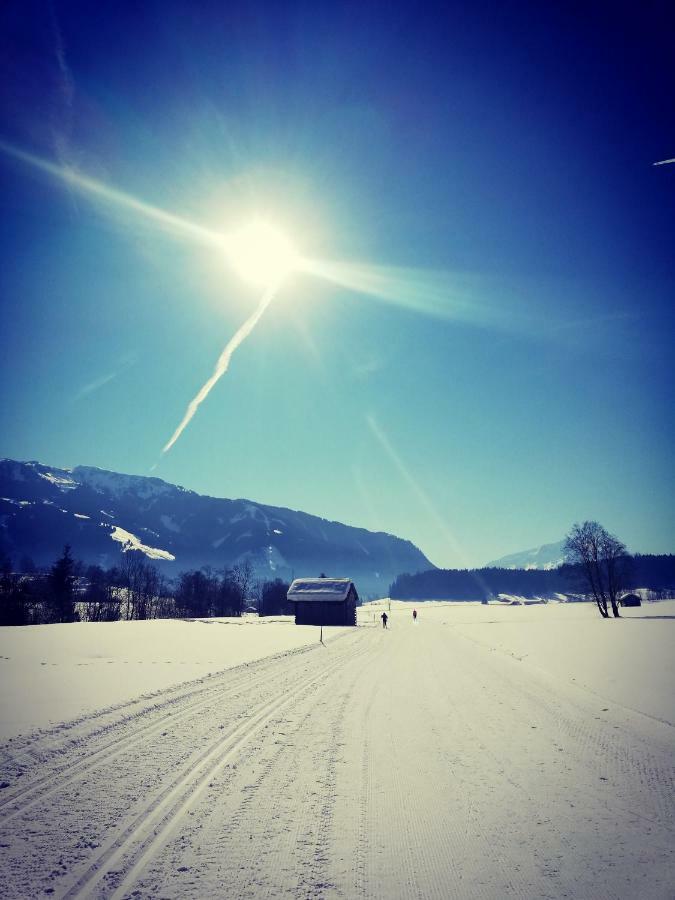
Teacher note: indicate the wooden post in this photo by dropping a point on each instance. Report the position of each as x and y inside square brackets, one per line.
[321, 636]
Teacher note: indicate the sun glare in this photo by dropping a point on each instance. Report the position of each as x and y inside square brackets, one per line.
[261, 254]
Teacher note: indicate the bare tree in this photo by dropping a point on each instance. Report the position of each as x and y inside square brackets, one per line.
[603, 561]
[243, 574]
[100, 601]
[132, 573]
[229, 599]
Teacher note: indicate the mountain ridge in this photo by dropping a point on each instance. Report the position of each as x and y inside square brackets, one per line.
[103, 513]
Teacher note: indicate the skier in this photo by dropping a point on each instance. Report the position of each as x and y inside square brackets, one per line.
[414, 615]
[384, 618]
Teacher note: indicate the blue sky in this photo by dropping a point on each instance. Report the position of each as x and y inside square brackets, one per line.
[491, 173]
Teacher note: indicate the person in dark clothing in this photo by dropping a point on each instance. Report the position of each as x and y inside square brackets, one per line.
[414, 615]
[384, 618]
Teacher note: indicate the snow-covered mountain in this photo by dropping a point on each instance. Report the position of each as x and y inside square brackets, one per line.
[548, 556]
[103, 514]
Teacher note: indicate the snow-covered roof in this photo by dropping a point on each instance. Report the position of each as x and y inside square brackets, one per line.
[319, 589]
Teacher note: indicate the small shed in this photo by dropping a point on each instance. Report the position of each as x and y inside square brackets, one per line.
[630, 600]
[324, 601]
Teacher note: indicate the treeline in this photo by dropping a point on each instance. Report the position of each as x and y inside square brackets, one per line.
[657, 573]
[70, 591]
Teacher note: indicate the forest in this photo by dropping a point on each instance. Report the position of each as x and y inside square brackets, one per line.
[70, 591]
[656, 573]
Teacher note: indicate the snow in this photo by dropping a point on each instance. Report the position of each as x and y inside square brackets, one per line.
[482, 752]
[170, 523]
[53, 673]
[129, 541]
[319, 589]
[547, 556]
[117, 484]
[627, 661]
[250, 511]
[63, 482]
[274, 559]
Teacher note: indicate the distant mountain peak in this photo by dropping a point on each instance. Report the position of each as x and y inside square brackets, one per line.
[546, 556]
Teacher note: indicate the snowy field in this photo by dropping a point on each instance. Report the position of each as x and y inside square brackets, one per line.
[630, 664]
[53, 673]
[484, 751]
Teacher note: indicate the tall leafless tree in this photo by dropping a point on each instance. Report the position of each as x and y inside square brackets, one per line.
[603, 561]
[243, 575]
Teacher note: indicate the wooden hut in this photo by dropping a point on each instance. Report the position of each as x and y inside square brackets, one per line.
[324, 601]
[630, 600]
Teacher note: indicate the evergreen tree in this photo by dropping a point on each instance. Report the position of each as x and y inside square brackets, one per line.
[62, 589]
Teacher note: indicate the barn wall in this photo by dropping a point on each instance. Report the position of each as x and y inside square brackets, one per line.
[325, 613]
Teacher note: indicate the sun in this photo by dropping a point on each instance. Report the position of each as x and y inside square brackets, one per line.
[261, 254]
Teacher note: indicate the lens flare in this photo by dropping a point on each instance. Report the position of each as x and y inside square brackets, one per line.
[425, 501]
[439, 294]
[261, 254]
[116, 198]
[264, 256]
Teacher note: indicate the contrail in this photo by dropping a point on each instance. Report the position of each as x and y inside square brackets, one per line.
[222, 365]
[663, 162]
[171, 222]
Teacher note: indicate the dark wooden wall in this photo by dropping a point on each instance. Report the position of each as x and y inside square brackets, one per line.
[325, 613]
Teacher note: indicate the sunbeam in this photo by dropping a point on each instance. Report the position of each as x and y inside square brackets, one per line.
[430, 292]
[87, 185]
[263, 255]
[260, 253]
[423, 498]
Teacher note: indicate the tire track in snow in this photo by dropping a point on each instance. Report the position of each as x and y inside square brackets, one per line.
[315, 882]
[544, 764]
[286, 860]
[492, 777]
[40, 788]
[361, 867]
[432, 824]
[268, 829]
[617, 752]
[139, 840]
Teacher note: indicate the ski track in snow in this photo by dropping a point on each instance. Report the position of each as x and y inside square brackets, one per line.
[407, 763]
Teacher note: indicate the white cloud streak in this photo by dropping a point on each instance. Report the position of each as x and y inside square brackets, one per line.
[95, 385]
[663, 162]
[222, 365]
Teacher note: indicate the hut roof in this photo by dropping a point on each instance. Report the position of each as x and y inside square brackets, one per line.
[319, 589]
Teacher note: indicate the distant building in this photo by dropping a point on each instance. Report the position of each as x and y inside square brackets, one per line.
[630, 600]
[324, 601]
